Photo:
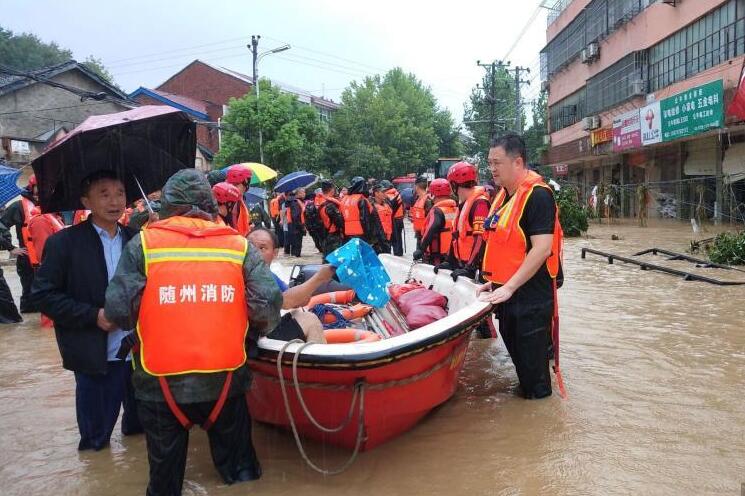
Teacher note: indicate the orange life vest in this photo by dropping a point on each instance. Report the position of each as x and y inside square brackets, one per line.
[506, 245]
[124, 219]
[418, 214]
[302, 212]
[241, 218]
[465, 241]
[28, 213]
[329, 226]
[386, 219]
[193, 316]
[450, 210]
[394, 195]
[274, 207]
[351, 213]
[80, 216]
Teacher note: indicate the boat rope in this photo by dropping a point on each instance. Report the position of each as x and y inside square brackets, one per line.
[359, 390]
[322, 309]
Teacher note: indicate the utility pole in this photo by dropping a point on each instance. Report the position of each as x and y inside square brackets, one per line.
[491, 96]
[254, 47]
[518, 104]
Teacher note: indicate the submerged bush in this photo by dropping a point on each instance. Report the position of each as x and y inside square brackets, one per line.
[728, 248]
[572, 214]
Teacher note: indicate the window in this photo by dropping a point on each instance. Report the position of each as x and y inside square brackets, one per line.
[568, 111]
[617, 83]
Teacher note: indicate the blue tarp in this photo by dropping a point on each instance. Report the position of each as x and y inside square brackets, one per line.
[358, 266]
[8, 187]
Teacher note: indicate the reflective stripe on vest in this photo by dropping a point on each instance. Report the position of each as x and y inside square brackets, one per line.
[351, 213]
[193, 317]
[449, 210]
[394, 195]
[325, 219]
[465, 241]
[386, 219]
[506, 244]
[418, 214]
[28, 241]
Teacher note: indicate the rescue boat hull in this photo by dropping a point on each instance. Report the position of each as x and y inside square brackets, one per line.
[398, 380]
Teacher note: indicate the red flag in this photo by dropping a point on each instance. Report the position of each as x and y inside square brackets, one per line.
[736, 108]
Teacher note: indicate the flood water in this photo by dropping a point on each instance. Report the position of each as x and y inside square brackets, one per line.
[654, 368]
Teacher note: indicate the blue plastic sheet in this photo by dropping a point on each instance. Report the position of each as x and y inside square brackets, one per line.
[357, 265]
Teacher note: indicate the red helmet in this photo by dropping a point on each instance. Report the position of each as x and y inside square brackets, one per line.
[226, 193]
[462, 172]
[238, 174]
[440, 187]
[32, 181]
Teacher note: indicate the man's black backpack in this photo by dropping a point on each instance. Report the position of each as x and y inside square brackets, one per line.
[313, 222]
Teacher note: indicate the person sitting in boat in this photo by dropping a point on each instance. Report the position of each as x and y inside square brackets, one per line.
[440, 220]
[296, 323]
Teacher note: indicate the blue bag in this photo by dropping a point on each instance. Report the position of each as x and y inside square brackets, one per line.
[358, 266]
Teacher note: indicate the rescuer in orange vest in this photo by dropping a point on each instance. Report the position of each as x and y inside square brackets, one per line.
[359, 216]
[28, 258]
[331, 218]
[240, 177]
[438, 231]
[226, 195]
[468, 242]
[276, 204]
[295, 220]
[419, 210]
[385, 217]
[397, 207]
[522, 263]
[185, 282]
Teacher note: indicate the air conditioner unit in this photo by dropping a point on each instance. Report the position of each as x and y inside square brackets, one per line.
[591, 122]
[546, 139]
[638, 87]
[545, 85]
[593, 50]
[585, 56]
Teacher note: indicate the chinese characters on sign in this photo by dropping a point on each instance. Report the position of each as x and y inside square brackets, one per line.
[187, 293]
[626, 131]
[602, 135]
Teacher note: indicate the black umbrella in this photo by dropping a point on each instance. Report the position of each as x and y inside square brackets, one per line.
[147, 144]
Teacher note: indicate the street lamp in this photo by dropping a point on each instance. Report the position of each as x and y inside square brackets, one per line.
[256, 58]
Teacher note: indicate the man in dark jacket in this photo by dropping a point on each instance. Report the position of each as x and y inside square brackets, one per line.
[70, 288]
[187, 197]
[295, 205]
[14, 216]
[8, 309]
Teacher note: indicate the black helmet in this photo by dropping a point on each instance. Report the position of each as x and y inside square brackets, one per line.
[386, 184]
[357, 185]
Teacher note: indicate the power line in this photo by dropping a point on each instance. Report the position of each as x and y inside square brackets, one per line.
[525, 28]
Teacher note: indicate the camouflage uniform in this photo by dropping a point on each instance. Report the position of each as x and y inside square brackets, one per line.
[188, 194]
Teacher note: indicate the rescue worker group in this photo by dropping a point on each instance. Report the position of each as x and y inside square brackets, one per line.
[131, 291]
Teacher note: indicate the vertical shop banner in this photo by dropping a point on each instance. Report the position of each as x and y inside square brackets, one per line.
[626, 131]
[651, 122]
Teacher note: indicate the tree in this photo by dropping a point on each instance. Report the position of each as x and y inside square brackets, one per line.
[293, 134]
[536, 132]
[27, 52]
[389, 126]
[477, 115]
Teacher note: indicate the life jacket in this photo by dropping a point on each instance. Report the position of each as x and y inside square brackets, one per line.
[124, 219]
[386, 219]
[506, 245]
[274, 207]
[394, 195]
[28, 207]
[241, 218]
[302, 212]
[465, 240]
[328, 226]
[351, 212]
[194, 285]
[450, 210]
[499, 199]
[418, 214]
[80, 216]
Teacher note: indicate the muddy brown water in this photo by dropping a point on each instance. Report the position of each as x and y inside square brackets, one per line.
[654, 367]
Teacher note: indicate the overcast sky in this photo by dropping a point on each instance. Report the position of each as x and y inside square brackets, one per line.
[333, 41]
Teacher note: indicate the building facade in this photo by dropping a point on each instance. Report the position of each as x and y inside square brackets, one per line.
[637, 96]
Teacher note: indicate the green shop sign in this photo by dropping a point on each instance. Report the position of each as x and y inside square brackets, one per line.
[692, 112]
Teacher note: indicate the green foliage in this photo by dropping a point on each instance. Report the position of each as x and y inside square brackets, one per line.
[572, 214]
[27, 52]
[388, 126]
[293, 135]
[535, 133]
[728, 248]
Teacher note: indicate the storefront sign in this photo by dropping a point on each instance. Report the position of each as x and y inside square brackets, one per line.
[651, 123]
[561, 170]
[693, 111]
[627, 131]
[599, 136]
